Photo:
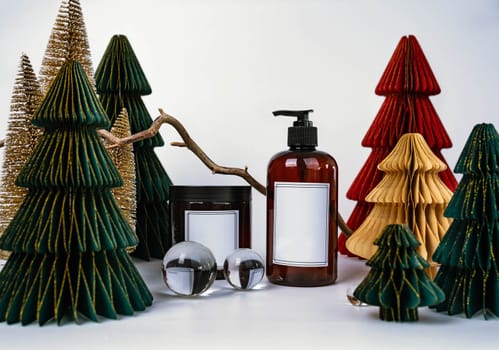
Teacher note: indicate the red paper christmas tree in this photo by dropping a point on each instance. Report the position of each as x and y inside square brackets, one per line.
[407, 82]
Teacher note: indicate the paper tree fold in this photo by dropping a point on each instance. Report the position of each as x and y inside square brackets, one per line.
[397, 281]
[69, 237]
[411, 193]
[407, 83]
[469, 271]
[121, 83]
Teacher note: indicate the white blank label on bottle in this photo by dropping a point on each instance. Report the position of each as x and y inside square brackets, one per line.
[218, 230]
[301, 224]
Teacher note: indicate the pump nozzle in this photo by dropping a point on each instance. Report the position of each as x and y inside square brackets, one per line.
[302, 133]
[302, 116]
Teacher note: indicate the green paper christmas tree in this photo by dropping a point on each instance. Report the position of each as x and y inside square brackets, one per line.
[397, 282]
[69, 238]
[120, 83]
[469, 271]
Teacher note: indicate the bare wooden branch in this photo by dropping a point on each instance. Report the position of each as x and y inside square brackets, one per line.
[343, 225]
[189, 143]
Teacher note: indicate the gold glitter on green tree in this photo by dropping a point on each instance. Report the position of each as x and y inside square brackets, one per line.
[469, 271]
[397, 281]
[69, 237]
[121, 83]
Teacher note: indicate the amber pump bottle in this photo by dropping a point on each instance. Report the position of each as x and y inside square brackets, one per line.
[302, 207]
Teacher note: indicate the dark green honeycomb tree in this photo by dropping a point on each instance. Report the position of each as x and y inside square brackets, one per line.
[397, 282]
[69, 238]
[120, 83]
[468, 252]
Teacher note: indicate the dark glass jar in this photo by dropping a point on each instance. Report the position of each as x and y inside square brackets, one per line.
[218, 217]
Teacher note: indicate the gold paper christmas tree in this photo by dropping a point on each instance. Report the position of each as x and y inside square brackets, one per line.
[124, 160]
[68, 41]
[411, 193]
[20, 140]
[407, 83]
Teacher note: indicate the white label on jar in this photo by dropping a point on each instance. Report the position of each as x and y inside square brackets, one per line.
[301, 224]
[216, 229]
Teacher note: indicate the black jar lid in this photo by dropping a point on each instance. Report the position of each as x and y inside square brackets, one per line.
[210, 193]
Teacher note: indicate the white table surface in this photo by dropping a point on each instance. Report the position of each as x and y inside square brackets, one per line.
[271, 317]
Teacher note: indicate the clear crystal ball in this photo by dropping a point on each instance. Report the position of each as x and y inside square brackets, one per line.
[244, 268]
[189, 268]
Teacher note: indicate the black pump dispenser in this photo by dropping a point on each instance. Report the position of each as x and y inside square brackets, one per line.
[302, 133]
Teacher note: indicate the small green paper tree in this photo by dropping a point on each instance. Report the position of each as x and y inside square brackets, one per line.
[69, 238]
[397, 281]
[120, 83]
[469, 271]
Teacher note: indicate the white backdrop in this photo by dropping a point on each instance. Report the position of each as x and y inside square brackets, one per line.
[222, 67]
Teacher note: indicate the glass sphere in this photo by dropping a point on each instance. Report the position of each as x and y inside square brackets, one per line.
[189, 268]
[244, 268]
